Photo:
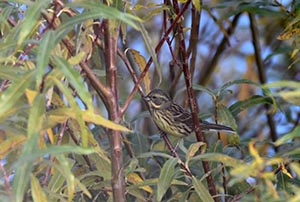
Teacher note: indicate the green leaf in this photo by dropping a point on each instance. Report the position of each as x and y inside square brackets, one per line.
[201, 190]
[11, 95]
[31, 18]
[75, 79]
[64, 166]
[223, 90]
[37, 112]
[166, 176]
[283, 84]
[225, 117]
[151, 154]
[95, 10]
[11, 73]
[217, 157]
[240, 106]
[293, 134]
[193, 148]
[22, 174]
[75, 107]
[53, 151]
[44, 51]
[149, 46]
[204, 89]
[291, 95]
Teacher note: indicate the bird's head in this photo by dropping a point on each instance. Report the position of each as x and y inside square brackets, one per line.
[158, 99]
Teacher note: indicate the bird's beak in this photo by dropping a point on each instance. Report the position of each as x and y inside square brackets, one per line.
[146, 98]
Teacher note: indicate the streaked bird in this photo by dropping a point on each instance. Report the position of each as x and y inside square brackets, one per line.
[172, 118]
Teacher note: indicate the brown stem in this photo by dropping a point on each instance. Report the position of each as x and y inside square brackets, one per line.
[111, 33]
[134, 77]
[158, 47]
[100, 88]
[261, 73]
[175, 154]
[210, 66]
[58, 142]
[193, 103]
[192, 49]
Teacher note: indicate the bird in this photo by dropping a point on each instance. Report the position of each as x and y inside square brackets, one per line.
[174, 119]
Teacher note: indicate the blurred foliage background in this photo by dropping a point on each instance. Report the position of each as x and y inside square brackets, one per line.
[74, 127]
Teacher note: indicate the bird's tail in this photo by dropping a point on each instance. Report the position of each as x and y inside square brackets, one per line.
[211, 126]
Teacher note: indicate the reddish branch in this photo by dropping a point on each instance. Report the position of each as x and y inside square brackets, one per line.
[111, 33]
[158, 47]
[193, 104]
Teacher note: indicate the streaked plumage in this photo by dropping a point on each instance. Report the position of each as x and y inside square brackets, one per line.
[173, 118]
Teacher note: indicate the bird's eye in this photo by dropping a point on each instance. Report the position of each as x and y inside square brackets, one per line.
[154, 97]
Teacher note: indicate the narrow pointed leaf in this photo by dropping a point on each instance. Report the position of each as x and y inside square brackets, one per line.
[38, 193]
[44, 51]
[11, 95]
[23, 171]
[75, 79]
[31, 18]
[201, 190]
[166, 176]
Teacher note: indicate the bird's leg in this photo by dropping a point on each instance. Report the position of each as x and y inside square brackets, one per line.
[175, 154]
[169, 144]
[177, 144]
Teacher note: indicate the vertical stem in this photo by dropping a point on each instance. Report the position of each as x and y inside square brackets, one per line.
[193, 104]
[111, 32]
[261, 72]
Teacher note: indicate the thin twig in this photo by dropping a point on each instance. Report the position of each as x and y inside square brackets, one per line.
[175, 154]
[158, 47]
[134, 77]
[58, 142]
[7, 186]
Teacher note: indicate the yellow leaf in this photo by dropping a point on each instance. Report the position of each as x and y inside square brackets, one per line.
[62, 114]
[30, 94]
[285, 171]
[89, 116]
[255, 153]
[136, 179]
[50, 135]
[197, 4]
[288, 34]
[294, 53]
[11, 143]
[77, 58]
[141, 62]
[38, 193]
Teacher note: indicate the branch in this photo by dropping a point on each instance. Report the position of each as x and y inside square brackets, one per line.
[158, 47]
[111, 33]
[134, 78]
[193, 103]
[175, 154]
[209, 67]
[261, 73]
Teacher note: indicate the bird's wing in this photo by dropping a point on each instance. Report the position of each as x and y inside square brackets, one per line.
[182, 115]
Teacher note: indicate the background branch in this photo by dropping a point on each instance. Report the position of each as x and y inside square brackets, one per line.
[261, 73]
